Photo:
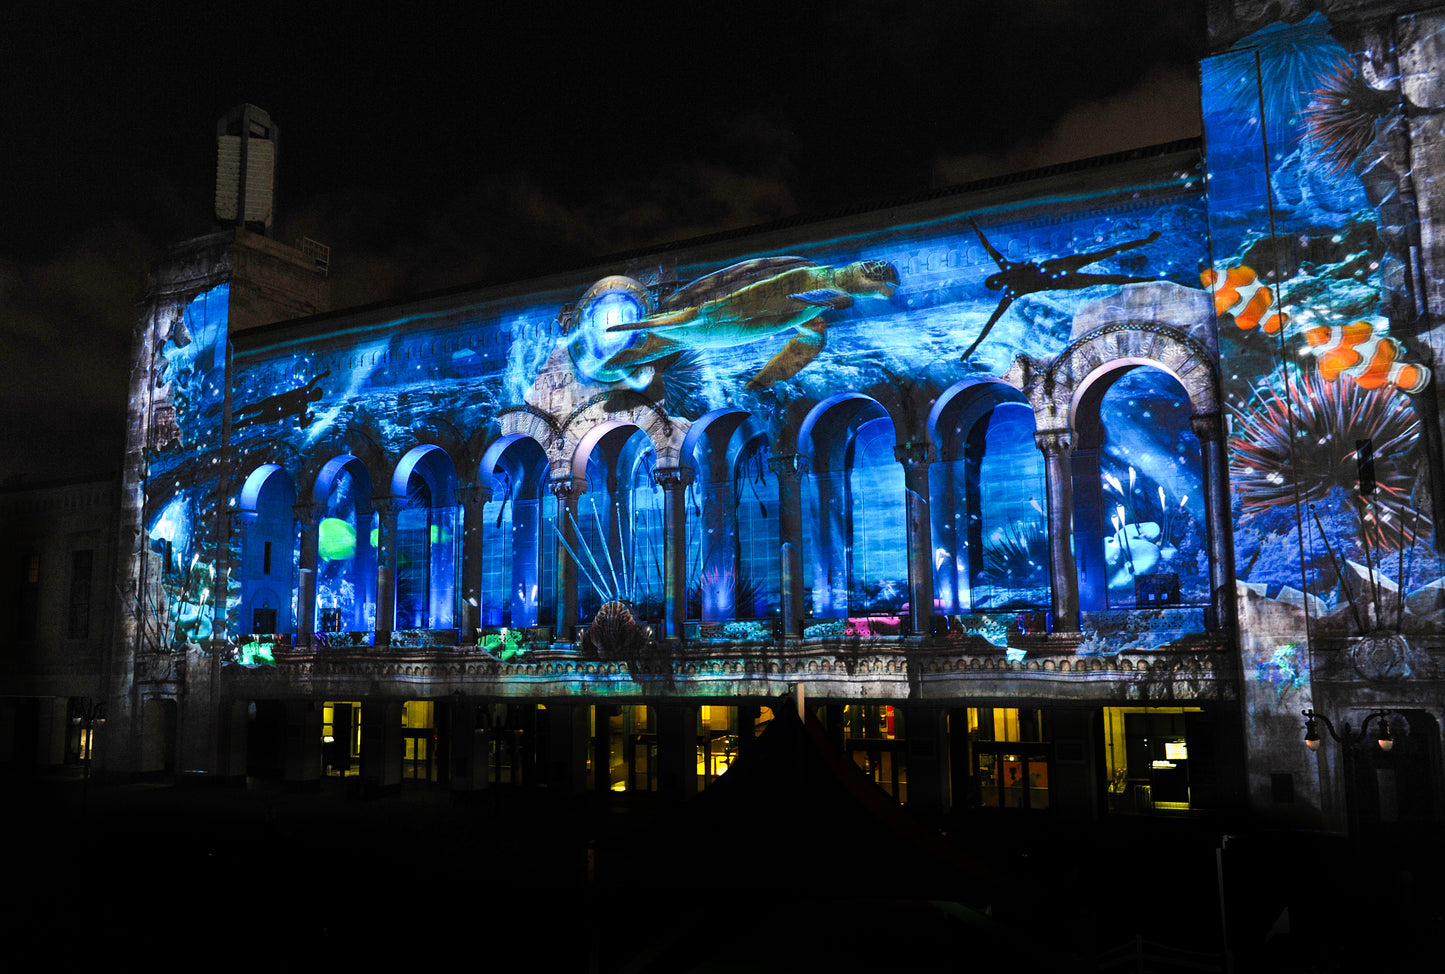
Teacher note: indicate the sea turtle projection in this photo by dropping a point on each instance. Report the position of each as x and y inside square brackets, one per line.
[751, 300]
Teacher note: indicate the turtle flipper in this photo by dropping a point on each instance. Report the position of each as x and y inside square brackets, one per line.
[655, 347]
[794, 356]
[826, 297]
[667, 319]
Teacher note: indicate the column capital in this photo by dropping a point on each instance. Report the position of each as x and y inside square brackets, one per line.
[789, 464]
[671, 478]
[472, 494]
[1055, 442]
[913, 453]
[306, 513]
[1207, 426]
[565, 488]
[387, 506]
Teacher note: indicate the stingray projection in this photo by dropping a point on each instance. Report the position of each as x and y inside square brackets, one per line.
[751, 300]
[1015, 278]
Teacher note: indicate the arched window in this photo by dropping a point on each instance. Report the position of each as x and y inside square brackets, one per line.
[426, 542]
[596, 539]
[1139, 495]
[854, 558]
[346, 546]
[645, 534]
[268, 553]
[877, 556]
[990, 526]
[519, 545]
[1005, 484]
[755, 510]
[732, 520]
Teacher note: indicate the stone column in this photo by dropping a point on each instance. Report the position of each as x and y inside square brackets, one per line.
[305, 621]
[386, 509]
[472, 499]
[1055, 445]
[303, 744]
[245, 622]
[929, 784]
[789, 468]
[916, 460]
[566, 491]
[566, 773]
[673, 481]
[1214, 466]
[677, 749]
[381, 747]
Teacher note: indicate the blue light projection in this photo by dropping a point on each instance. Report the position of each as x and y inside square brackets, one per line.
[762, 336]
[183, 495]
[1311, 283]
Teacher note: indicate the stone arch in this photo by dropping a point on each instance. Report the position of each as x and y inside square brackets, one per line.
[439, 431]
[434, 462]
[1162, 325]
[718, 426]
[586, 425]
[960, 406]
[353, 442]
[534, 424]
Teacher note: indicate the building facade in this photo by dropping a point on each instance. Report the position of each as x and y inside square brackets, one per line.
[57, 565]
[1064, 494]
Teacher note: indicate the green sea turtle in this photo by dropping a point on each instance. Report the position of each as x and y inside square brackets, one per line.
[751, 300]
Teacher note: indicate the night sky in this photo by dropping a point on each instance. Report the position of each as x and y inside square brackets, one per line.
[437, 150]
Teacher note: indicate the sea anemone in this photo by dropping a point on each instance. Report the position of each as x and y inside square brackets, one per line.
[1304, 441]
[1016, 554]
[1341, 115]
[719, 589]
[615, 633]
[683, 385]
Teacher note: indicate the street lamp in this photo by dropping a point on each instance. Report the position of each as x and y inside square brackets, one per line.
[1351, 745]
[1385, 740]
[88, 717]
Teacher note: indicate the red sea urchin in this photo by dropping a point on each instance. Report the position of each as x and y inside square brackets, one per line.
[1326, 420]
[1341, 115]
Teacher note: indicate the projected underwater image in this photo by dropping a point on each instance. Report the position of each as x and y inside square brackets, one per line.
[1322, 366]
[843, 420]
[181, 591]
[813, 353]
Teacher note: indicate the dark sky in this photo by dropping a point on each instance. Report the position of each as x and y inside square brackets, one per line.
[433, 150]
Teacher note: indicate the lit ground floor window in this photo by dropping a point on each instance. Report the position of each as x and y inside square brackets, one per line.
[1147, 758]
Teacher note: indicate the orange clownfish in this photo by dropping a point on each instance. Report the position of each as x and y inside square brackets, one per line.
[1238, 292]
[1373, 360]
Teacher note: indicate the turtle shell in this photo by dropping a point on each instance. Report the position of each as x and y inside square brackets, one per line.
[731, 279]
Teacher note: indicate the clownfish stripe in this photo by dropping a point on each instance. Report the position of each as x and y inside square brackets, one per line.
[1238, 292]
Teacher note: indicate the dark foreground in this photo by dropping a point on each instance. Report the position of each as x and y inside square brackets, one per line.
[262, 877]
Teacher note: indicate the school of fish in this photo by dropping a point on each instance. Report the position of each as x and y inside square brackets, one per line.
[1359, 351]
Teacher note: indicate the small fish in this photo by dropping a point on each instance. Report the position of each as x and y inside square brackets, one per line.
[1239, 292]
[1358, 350]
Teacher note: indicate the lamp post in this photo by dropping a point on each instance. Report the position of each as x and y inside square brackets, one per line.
[1385, 739]
[88, 717]
[1351, 744]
